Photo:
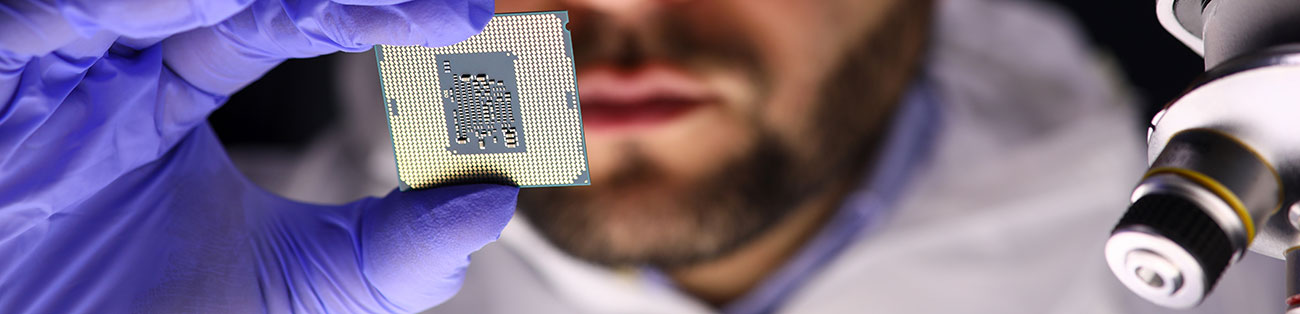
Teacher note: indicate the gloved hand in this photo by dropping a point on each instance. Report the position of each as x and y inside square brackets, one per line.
[116, 197]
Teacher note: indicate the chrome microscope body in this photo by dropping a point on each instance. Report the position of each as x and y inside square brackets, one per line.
[1225, 157]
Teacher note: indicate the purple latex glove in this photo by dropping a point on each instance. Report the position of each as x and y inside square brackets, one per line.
[115, 196]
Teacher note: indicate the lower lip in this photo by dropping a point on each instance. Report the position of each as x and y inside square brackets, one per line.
[636, 115]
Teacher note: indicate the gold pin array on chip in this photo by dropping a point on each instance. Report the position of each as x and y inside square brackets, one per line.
[499, 107]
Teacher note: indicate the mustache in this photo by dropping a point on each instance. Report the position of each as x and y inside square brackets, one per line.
[677, 36]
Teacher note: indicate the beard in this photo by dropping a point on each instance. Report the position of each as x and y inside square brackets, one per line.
[640, 215]
[661, 221]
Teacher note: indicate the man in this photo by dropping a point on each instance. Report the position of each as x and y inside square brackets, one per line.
[886, 156]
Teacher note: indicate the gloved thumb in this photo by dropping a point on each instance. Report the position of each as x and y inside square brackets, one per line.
[416, 244]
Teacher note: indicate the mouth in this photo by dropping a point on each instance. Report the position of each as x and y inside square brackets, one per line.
[647, 96]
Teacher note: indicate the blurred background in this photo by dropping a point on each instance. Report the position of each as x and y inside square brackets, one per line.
[289, 106]
[1156, 64]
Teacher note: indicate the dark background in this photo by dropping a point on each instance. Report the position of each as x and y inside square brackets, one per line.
[295, 101]
[1158, 66]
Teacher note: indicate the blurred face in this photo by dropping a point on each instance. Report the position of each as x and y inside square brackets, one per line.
[707, 122]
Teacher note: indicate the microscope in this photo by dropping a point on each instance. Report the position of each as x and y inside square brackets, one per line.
[1224, 156]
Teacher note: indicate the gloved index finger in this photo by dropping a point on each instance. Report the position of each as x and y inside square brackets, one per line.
[223, 58]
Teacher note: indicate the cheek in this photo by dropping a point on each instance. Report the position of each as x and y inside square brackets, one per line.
[801, 51]
[604, 157]
[791, 105]
[694, 146]
[797, 52]
[707, 142]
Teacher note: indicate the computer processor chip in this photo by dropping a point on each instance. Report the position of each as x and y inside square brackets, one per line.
[499, 107]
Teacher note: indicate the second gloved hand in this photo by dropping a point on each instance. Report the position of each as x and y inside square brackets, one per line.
[115, 196]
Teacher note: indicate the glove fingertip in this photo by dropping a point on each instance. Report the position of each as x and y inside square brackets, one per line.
[453, 22]
[480, 12]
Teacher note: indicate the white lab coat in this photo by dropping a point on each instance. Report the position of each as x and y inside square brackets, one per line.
[1033, 165]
